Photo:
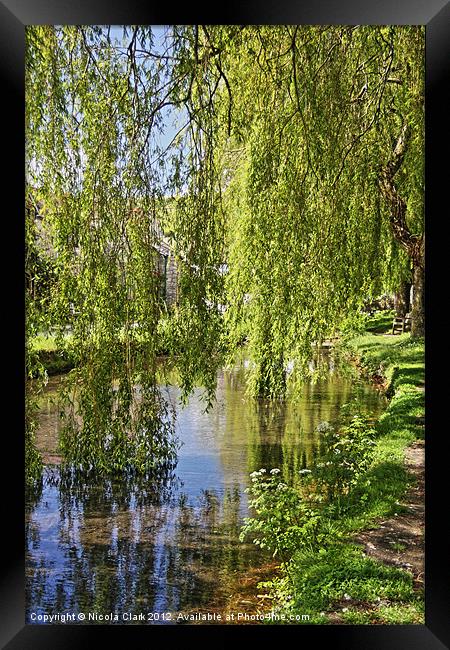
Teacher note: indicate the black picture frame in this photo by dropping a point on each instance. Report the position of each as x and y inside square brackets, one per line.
[435, 14]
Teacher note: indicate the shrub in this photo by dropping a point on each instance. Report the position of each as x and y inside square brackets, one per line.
[289, 518]
[346, 454]
[283, 521]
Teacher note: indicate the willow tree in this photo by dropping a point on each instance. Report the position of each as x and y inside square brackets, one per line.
[324, 176]
[298, 166]
[96, 106]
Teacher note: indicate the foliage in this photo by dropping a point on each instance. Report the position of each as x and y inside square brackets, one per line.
[334, 575]
[33, 461]
[354, 323]
[345, 456]
[309, 237]
[269, 193]
[343, 573]
[34, 368]
[88, 175]
[343, 582]
[288, 518]
[283, 521]
[96, 104]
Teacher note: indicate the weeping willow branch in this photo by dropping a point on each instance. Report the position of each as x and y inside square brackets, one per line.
[294, 219]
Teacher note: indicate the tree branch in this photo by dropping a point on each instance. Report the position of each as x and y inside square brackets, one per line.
[397, 217]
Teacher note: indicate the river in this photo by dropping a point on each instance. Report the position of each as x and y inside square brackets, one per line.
[121, 552]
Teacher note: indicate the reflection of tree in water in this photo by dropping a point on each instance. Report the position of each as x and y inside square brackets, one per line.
[34, 494]
[101, 553]
[205, 554]
[129, 547]
[268, 449]
[147, 546]
[283, 433]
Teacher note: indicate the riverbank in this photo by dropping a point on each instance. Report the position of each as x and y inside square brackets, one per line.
[369, 568]
[56, 360]
[53, 359]
[368, 565]
[391, 531]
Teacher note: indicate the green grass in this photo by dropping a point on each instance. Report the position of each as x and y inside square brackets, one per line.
[396, 614]
[340, 580]
[54, 359]
[44, 342]
[343, 575]
[398, 358]
[380, 322]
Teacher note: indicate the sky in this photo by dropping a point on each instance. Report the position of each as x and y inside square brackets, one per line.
[173, 120]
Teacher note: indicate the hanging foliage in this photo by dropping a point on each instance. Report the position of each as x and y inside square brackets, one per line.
[278, 192]
[90, 114]
[317, 114]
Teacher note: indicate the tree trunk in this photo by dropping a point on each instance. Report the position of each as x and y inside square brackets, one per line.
[401, 299]
[418, 309]
[414, 245]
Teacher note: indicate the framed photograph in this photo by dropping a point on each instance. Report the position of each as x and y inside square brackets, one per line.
[229, 423]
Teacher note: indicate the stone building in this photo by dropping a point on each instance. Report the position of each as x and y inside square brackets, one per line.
[166, 265]
[168, 272]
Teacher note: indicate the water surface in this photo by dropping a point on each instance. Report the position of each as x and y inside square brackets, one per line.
[121, 547]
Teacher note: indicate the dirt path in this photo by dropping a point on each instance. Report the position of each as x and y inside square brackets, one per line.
[399, 541]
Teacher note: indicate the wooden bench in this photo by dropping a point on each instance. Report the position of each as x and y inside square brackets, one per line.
[401, 324]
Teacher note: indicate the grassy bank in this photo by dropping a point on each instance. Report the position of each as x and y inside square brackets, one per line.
[333, 579]
[399, 362]
[56, 360]
[53, 359]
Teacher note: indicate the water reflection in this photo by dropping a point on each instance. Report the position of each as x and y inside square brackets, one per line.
[171, 546]
[111, 547]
